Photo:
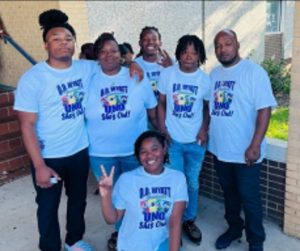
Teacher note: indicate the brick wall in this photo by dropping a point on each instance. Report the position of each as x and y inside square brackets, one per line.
[272, 186]
[14, 160]
[292, 196]
[274, 45]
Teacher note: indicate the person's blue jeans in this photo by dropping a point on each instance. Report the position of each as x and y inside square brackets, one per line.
[121, 164]
[164, 246]
[241, 187]
[188, 158]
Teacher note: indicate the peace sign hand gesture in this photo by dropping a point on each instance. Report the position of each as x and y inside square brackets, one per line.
[106, 182]
[165, 60]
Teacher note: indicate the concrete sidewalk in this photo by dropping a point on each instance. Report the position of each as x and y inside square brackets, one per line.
[18, 230]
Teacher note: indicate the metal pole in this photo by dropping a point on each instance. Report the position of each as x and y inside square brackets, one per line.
[19, 48]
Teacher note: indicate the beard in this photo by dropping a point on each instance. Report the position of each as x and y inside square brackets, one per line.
[230, 62]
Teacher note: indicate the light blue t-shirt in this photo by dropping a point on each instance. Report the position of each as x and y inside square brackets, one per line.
[185, 93]
[237, 93]
[57, 97]
[151, 71]
[148, 202]
[116, 113]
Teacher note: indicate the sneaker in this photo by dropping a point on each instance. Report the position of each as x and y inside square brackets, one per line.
[192, 231]
[112, 241]
[225, 239]
[79, 246]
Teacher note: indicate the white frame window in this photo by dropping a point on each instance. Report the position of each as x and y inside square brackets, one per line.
[274, 16]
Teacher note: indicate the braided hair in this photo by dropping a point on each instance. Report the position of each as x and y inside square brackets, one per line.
[144, 30]
[186, 40]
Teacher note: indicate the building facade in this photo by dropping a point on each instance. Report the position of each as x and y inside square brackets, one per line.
[265, 30]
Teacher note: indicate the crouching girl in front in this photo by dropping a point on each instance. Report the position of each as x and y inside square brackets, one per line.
[150, 199]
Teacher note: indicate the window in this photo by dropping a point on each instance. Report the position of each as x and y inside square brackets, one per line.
[274, 11]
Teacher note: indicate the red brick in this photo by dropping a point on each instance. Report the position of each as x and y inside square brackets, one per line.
[15, 143]
[10, 97]
[4, 99]
[10, 135]
[4, 112]
[4, 166]
[14, 126]
[4, 128]
[15, 163]
[4, 147]
[26, 160]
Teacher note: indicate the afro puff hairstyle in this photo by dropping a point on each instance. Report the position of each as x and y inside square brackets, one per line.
[52, 19]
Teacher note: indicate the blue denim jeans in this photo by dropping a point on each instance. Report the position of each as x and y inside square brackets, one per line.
[164, 246]
[241, 187]
[188, 158]
[121, 164]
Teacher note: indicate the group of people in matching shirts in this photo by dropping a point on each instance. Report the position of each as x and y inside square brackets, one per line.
[77, 114]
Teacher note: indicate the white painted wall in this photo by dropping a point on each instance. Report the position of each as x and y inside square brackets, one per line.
[177, 18]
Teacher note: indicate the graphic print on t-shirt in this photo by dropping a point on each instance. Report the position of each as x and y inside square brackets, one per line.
[114, 100]
[184, 96]
[155, 204]
[223, 95]
[71, 96]
[153, 79]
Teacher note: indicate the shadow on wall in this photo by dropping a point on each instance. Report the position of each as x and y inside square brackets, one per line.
[247, 18]
[175, 19]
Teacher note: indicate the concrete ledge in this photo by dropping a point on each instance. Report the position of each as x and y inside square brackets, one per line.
[271, 33]
[276, 150]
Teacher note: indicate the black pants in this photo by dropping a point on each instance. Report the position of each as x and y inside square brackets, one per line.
[74, 173]
[241, 187]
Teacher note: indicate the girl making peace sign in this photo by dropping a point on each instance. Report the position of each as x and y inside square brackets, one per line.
[150, 199]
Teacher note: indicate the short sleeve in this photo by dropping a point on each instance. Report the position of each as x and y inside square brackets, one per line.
[207, 87]
[117, 196]
[149, 97]
[26, 95]
[162, 83]
[262, 92]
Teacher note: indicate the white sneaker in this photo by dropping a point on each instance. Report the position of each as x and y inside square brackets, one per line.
[79, 246]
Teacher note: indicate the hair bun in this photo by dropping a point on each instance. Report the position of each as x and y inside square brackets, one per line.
[52, 17]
